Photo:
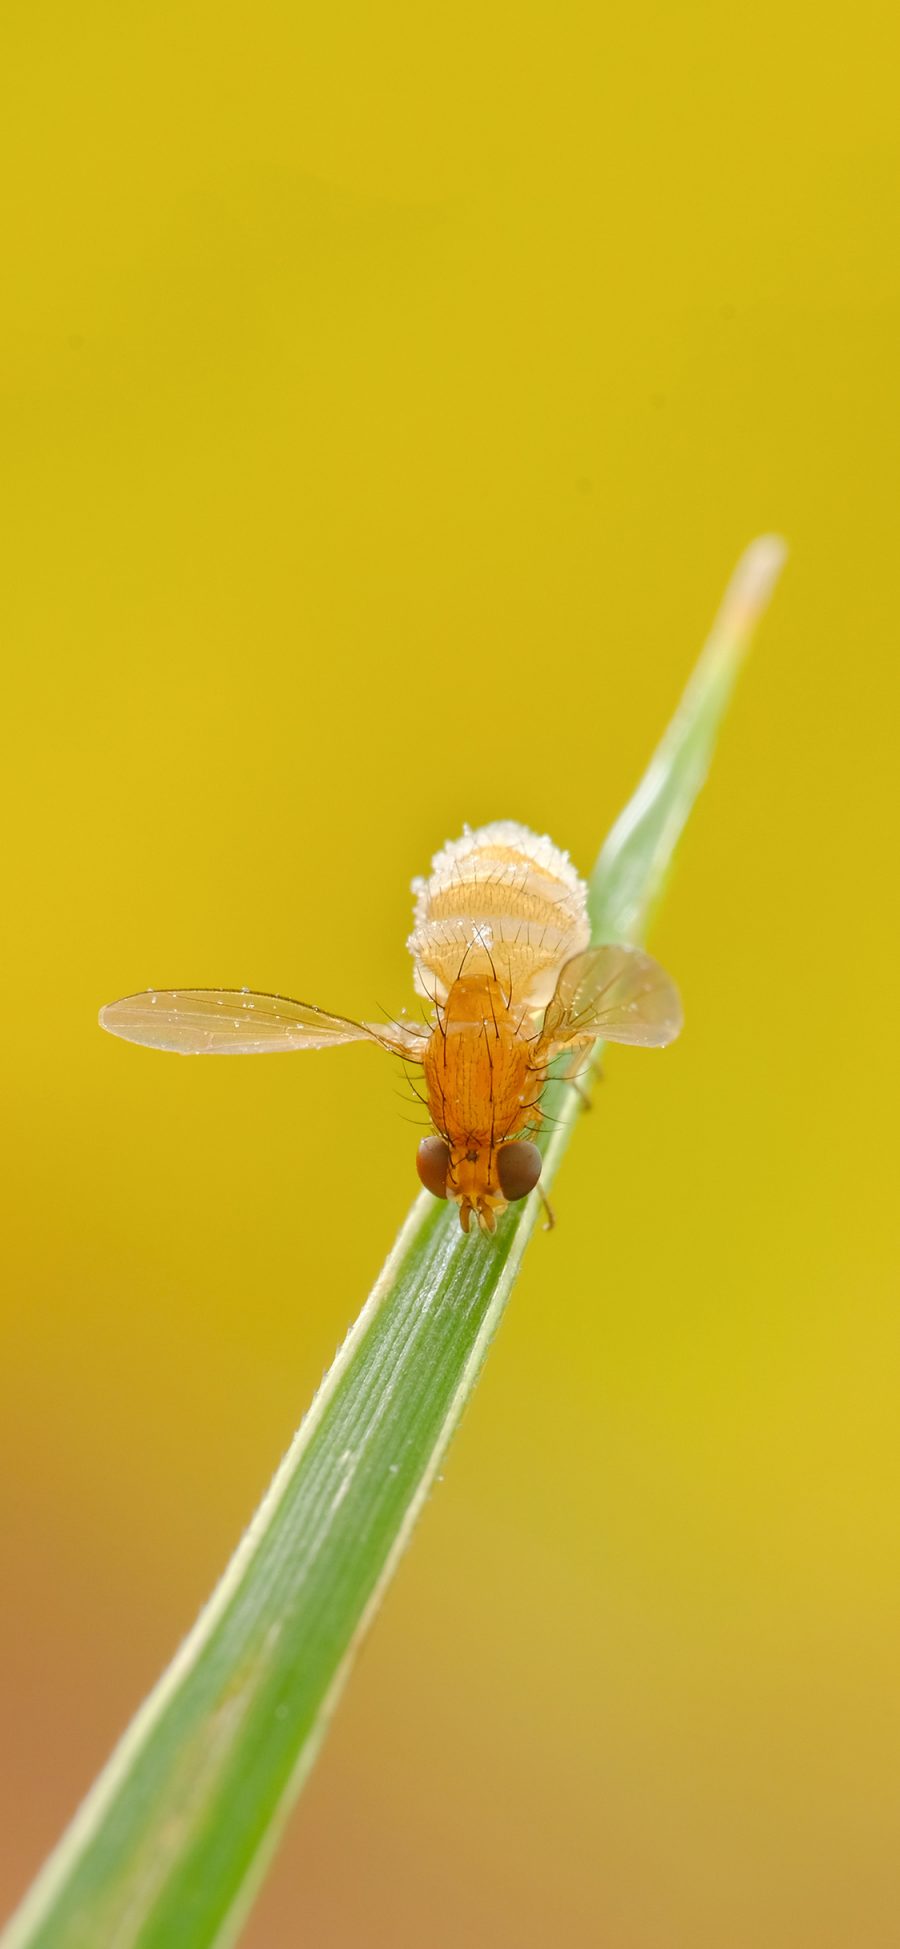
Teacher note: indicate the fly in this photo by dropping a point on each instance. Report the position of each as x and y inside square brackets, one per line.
[502, 957]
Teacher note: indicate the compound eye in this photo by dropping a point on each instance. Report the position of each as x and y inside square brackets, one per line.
[432, 1164]
[518, 1168]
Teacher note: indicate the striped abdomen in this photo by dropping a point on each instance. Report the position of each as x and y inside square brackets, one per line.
[499, 903]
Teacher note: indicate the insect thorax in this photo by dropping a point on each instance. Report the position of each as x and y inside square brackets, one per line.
[480, 1075]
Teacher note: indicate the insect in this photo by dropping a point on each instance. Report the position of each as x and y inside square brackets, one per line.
[502, 954]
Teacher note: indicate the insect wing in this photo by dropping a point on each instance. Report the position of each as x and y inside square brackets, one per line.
[615, 993]
[238, 1022]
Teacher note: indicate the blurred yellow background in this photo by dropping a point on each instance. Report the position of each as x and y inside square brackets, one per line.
[386, 396]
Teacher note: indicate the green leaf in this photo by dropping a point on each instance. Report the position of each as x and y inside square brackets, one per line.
[171, 1843]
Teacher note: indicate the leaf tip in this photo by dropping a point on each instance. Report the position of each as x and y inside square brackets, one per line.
[752, 584]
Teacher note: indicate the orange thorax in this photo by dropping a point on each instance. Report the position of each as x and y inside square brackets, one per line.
[482, 1084]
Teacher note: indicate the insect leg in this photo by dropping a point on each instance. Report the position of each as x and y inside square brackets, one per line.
[591, 1068]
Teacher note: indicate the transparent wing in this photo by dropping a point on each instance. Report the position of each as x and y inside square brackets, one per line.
[236, 1022]
[617, 993]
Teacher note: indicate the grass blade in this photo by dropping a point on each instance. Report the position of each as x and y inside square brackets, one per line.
[173, 1839]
